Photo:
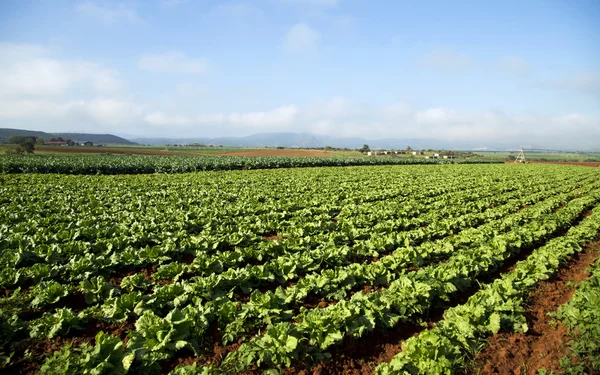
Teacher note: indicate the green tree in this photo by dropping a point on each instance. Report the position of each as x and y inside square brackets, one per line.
[408, 148]
[39, 141]
[27, 147]
[18, 139]
[364, 148]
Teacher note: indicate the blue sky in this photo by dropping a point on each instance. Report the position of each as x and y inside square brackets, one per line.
[476, 70]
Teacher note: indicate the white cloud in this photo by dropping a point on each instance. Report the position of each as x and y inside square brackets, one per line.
[333, 108]
[587, 83]
[109, 15]
[447, 61]
[173, 62]
[281, 116]
[95, 115]
[397, 110]
[161, 118]
[278, 117]
[37, 89]
[11, 53]
[34, 77]
[439, 115]
[36, 74]
[514, 65]
[301, 38]
[112, 111]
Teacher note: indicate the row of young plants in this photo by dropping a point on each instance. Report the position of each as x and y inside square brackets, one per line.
[62, 260]
[275, 256]
[262, 308]
[338, 283]
[581, 316]
[207, 211]
[320, 282]
[185, 327]
[410, 295]
[140, 164]
[499, 306]
[406, 236]
[96, 213]
[85, 263]
[285, 341]
[139, 219]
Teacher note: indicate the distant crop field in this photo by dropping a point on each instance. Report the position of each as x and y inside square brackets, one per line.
[381, 269]
[144, 164]
[545, 156]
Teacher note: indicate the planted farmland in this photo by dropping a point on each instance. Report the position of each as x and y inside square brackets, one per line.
[277, 270]
[141, 164]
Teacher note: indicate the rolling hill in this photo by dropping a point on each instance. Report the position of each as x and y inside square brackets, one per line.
[6, 133]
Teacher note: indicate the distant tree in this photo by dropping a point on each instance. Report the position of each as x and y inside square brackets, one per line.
[39, 141]
[27, 147]
[328, 148]
[56, 139]
[408, 148]
[364, 148]
[18, 139]
[70, 142]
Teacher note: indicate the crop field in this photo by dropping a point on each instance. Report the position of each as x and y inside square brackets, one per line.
[141, 164]
[385, 269]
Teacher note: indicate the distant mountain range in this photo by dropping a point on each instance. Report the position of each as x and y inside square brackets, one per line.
[6, 133]
[297, 140]
[308, 140]
[305, 140]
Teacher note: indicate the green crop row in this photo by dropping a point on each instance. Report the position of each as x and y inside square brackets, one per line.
[500, 306]
[581, 315]
[142, 164]
[190, 261]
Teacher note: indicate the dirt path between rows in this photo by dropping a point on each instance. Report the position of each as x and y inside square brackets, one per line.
[544, 344]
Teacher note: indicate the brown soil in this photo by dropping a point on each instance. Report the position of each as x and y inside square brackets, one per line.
[275, 152]
[119, 330]
[271, 238]
[213, 356]
[544, 343]
[142, 151]
[40, 350]
[113, 150]
[361, 356]
[119, 273]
